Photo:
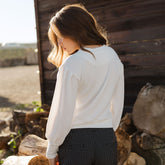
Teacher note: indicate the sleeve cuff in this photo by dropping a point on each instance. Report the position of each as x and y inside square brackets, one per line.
[51, 151]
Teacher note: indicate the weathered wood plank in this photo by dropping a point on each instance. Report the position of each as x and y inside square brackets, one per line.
[127, 9]
[118, 3]
[108, 12]
[145, 71]
[134, 22]
[36, 5]
[134, 84]
[97, 6]
[130, 100]
[47, 65]
[49, 96]
[144, 60]
[50, 75]
[49, 4]
[146, 47]
[137, 34]
[153, 79]
[46, 45]
[154, 17]
[50, 85]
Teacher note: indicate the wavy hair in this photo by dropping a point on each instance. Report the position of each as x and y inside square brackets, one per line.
[76, 22]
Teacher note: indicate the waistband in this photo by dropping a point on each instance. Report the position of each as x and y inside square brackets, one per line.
[86, 130]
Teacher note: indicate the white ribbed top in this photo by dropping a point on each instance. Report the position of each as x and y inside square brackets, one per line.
[89, 93]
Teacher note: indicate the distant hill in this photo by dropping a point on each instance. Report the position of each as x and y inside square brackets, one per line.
[17, 45]
[12, 54]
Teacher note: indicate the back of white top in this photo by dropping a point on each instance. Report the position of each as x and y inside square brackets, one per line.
[89, 93]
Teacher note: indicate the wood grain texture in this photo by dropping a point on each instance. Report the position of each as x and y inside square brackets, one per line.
[135, 30]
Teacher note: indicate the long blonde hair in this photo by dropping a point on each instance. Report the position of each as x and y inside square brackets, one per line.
[76, 22]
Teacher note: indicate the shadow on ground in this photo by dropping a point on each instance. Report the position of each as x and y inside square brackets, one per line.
[5, 102]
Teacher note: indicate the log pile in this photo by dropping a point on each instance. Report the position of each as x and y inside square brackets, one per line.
[36, 123]
[5, 133]
[148, 117]
[146, 128]
[29, 122]
[32, 150]
[21, 124]
[32, 146]
[140, 136]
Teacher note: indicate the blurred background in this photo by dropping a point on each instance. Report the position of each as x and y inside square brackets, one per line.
[19, 71]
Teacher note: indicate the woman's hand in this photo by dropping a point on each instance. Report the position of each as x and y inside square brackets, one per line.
[54, 161]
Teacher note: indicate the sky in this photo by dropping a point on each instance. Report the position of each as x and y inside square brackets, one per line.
[17, 21]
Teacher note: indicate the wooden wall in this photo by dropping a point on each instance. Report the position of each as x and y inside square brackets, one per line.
[136, 30]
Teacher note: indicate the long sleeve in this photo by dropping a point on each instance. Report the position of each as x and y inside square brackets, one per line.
[117, 102]
[62, 109]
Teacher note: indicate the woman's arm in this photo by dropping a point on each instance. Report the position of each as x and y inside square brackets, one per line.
[117, 101]
[62, 109]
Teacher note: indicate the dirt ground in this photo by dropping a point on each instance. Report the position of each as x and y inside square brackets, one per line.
[19, 85]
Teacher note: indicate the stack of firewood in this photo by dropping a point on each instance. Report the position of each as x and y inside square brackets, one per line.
[148, 117]
[140, 136]
[146, 125]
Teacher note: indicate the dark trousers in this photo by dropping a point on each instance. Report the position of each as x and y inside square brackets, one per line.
[89, 146]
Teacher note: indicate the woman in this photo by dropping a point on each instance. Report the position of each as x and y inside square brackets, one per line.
[89, 94]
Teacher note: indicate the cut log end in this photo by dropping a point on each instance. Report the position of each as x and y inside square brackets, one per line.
[26, 160]
[149, 110]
